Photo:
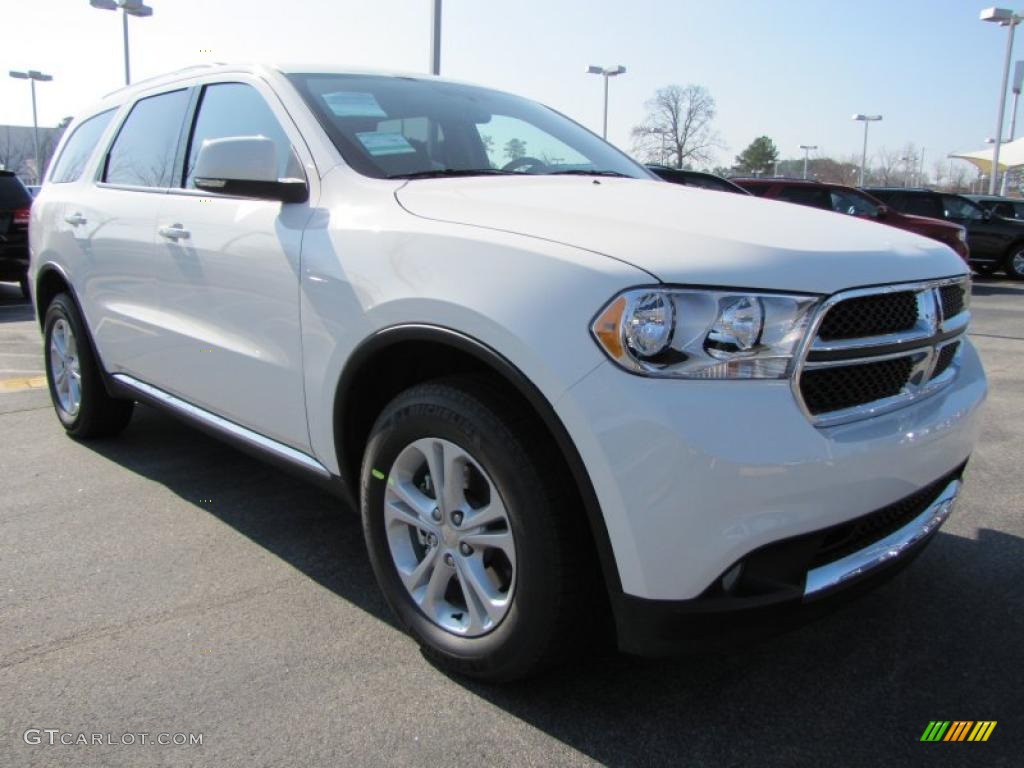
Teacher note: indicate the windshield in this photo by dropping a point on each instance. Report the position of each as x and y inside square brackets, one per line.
[401, 127]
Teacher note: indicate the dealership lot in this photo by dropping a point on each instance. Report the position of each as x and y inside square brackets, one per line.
[165, 583]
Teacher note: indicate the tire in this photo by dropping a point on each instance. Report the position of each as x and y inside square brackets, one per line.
[93, 413]
[23, 284]
[547, 597]
[1014, 265]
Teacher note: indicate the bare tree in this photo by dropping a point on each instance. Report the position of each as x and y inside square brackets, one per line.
[888, 168]
[677, 130]
[15, 149]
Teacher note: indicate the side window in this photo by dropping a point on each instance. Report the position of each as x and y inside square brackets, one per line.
[960, 208]
[812, 196]
[852, 204]
[143, 152]
[79, 148]
[922, 205]
[237, 109]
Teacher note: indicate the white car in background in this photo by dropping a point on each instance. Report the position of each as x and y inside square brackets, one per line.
[554, 385]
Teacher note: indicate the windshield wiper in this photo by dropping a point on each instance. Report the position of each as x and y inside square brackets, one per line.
[453, 172]
[581, 172]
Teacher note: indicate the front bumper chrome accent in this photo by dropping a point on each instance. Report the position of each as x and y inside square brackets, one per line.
[864, 561]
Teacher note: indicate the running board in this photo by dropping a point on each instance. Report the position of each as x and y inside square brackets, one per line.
[222, 426]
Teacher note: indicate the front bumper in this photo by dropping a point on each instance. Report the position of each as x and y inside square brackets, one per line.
[793, 595]
[692, 477]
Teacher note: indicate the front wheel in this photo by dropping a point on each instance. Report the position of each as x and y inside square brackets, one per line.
[472, 540]
[1015, 262]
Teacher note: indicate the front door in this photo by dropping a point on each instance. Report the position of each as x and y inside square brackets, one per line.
[229, 281]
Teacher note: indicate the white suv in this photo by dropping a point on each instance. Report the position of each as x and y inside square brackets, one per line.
[558, 388]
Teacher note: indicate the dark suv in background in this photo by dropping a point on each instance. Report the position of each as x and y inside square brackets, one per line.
[15, 202]
[996, 242]
[854, 202]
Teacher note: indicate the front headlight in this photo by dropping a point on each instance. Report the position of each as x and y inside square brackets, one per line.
[704, 334]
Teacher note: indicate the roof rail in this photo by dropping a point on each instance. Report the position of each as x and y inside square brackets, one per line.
[165, 75]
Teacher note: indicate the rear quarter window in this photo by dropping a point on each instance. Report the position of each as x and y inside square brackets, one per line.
[79, 148]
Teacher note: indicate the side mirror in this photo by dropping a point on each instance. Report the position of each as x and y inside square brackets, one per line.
[882, 212]
[245, 166]
[986, 215]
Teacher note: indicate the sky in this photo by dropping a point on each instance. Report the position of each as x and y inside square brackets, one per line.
[793, 70]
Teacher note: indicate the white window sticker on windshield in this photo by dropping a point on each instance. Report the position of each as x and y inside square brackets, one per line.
[379, 143]
[353, 104]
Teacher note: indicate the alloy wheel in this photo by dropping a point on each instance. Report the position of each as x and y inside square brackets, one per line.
[64, 367]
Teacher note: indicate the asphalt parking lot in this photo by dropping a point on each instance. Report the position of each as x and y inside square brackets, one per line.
[164, 583]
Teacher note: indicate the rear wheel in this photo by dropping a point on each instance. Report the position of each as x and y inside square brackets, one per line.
[73, 374]
[1014, 266]
[23, 284]
[471, 538]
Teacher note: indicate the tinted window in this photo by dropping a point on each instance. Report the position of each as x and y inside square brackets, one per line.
[143, 152]
[450, 127]
[813, 196]
[79, 148]
[852, 203]
[919, 205]
[13, 194]
[960, 208]
[236, 109]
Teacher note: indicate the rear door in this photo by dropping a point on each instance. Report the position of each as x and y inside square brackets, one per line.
[229, 287]
[111, 220]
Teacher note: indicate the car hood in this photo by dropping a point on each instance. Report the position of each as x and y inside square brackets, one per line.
[932, 225]
[685, 235]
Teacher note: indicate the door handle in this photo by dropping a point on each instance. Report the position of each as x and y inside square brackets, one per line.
[75, 219]
[174, 232]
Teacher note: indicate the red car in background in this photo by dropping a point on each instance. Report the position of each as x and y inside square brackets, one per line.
[855, 202]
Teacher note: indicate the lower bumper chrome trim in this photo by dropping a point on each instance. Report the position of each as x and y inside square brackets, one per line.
[882, 551]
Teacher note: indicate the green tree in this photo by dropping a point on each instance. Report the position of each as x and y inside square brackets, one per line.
[760, 157]
[515, 148]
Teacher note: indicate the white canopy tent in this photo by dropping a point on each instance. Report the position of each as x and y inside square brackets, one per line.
[1011, 155]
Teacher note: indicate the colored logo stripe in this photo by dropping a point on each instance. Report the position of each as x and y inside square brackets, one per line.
[958, 730]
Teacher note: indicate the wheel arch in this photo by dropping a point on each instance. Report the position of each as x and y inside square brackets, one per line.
[51, 280]
[429, 352]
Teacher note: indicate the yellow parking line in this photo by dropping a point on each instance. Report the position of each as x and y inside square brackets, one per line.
[22, 383]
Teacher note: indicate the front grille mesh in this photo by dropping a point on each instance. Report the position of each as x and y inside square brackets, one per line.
[870, 316]
[952, 298]
[946, 355]
[833, 389]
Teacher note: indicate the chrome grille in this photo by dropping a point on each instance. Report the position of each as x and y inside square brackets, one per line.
[872, 350]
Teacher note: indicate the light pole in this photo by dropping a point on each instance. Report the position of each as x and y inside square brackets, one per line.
[807, 148]
[435, 38]
[128, 8]
[33, 76]
[1004, 18]
[1018, 79]
[606, 72]
[906, 170]
[866, 119]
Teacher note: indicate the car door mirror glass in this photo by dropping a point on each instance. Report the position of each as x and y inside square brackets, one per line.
[245, 166]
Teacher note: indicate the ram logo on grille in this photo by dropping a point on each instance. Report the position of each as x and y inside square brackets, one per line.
[876, 349]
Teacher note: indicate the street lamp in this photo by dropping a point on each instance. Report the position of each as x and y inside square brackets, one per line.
[866, 119]
[606, 72]
[129, 8]
[807, 148]
[33, 76]
[1004, 18]
[435, 38]
[1018, 80]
